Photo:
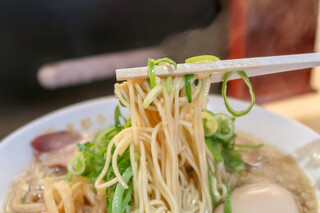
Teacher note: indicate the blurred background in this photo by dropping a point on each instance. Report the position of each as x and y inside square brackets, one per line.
[77, 45]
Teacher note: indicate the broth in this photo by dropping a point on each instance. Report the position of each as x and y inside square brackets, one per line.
[268, 164]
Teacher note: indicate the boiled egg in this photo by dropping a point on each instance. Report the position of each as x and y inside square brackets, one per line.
[262, 198]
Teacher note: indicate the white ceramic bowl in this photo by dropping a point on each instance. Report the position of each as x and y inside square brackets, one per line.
[16, 152]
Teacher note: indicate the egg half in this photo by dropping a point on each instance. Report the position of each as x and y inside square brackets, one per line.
[262, 198]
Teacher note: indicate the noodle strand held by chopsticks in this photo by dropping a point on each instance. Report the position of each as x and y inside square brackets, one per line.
[172, 171]
[169, 158]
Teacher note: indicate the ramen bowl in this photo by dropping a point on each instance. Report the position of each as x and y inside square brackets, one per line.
[288, 136]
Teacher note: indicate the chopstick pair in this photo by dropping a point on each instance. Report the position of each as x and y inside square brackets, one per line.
[252, 66]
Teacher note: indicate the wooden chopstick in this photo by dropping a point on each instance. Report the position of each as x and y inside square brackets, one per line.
[252, 66]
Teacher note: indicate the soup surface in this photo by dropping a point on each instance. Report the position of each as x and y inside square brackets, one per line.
[265, 164]
[268, 164]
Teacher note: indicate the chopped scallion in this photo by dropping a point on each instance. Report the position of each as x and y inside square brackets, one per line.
[214, 150]
[210, 123]
[77, 165]
[232, 159]
[152, 95]
[227, 202]
[151, 66]
[152, 73]
[90, 160]
[127, 124]
[101, 134]
[169, 84]
[166, 60]
[136, 156]
[225, 126]
[121, 104]
[249, 146]
[201, 59]
[117, 115]
[126, 202]
[187, 81]
[117, 205]
[196, 60]
[215, 203]
[244, 76]
[83, 148]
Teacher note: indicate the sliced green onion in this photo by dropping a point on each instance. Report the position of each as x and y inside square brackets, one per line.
[210, 124]
[113, 131]
[151, 66]
[152, 74]
[126, 200]
[101, 134]
[196, 60]
[127, 124]
[208, 111]
[244, 76]
[215, 203]
[124, 161]
[149, 83]
[225, 126]
[117, 115]
[210, 127]
[69, 177]
[118, 194]
[202, 59]
[109, 197]
[136, 156]
[166, 60]
[77, 164]
[187, 81]
[227, 202]
[83, 148]
[122, 104]
[249, 146]
[169, 84]
[214, 150]
[152, 95]
[232, 159]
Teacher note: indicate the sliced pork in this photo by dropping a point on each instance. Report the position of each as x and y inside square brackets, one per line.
[56, 149]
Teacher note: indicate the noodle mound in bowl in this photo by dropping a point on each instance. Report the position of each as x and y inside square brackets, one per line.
[287, 136]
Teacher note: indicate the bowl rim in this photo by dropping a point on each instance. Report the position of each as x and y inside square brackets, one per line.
[57, 112]
[111, 99]
[95, 101]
